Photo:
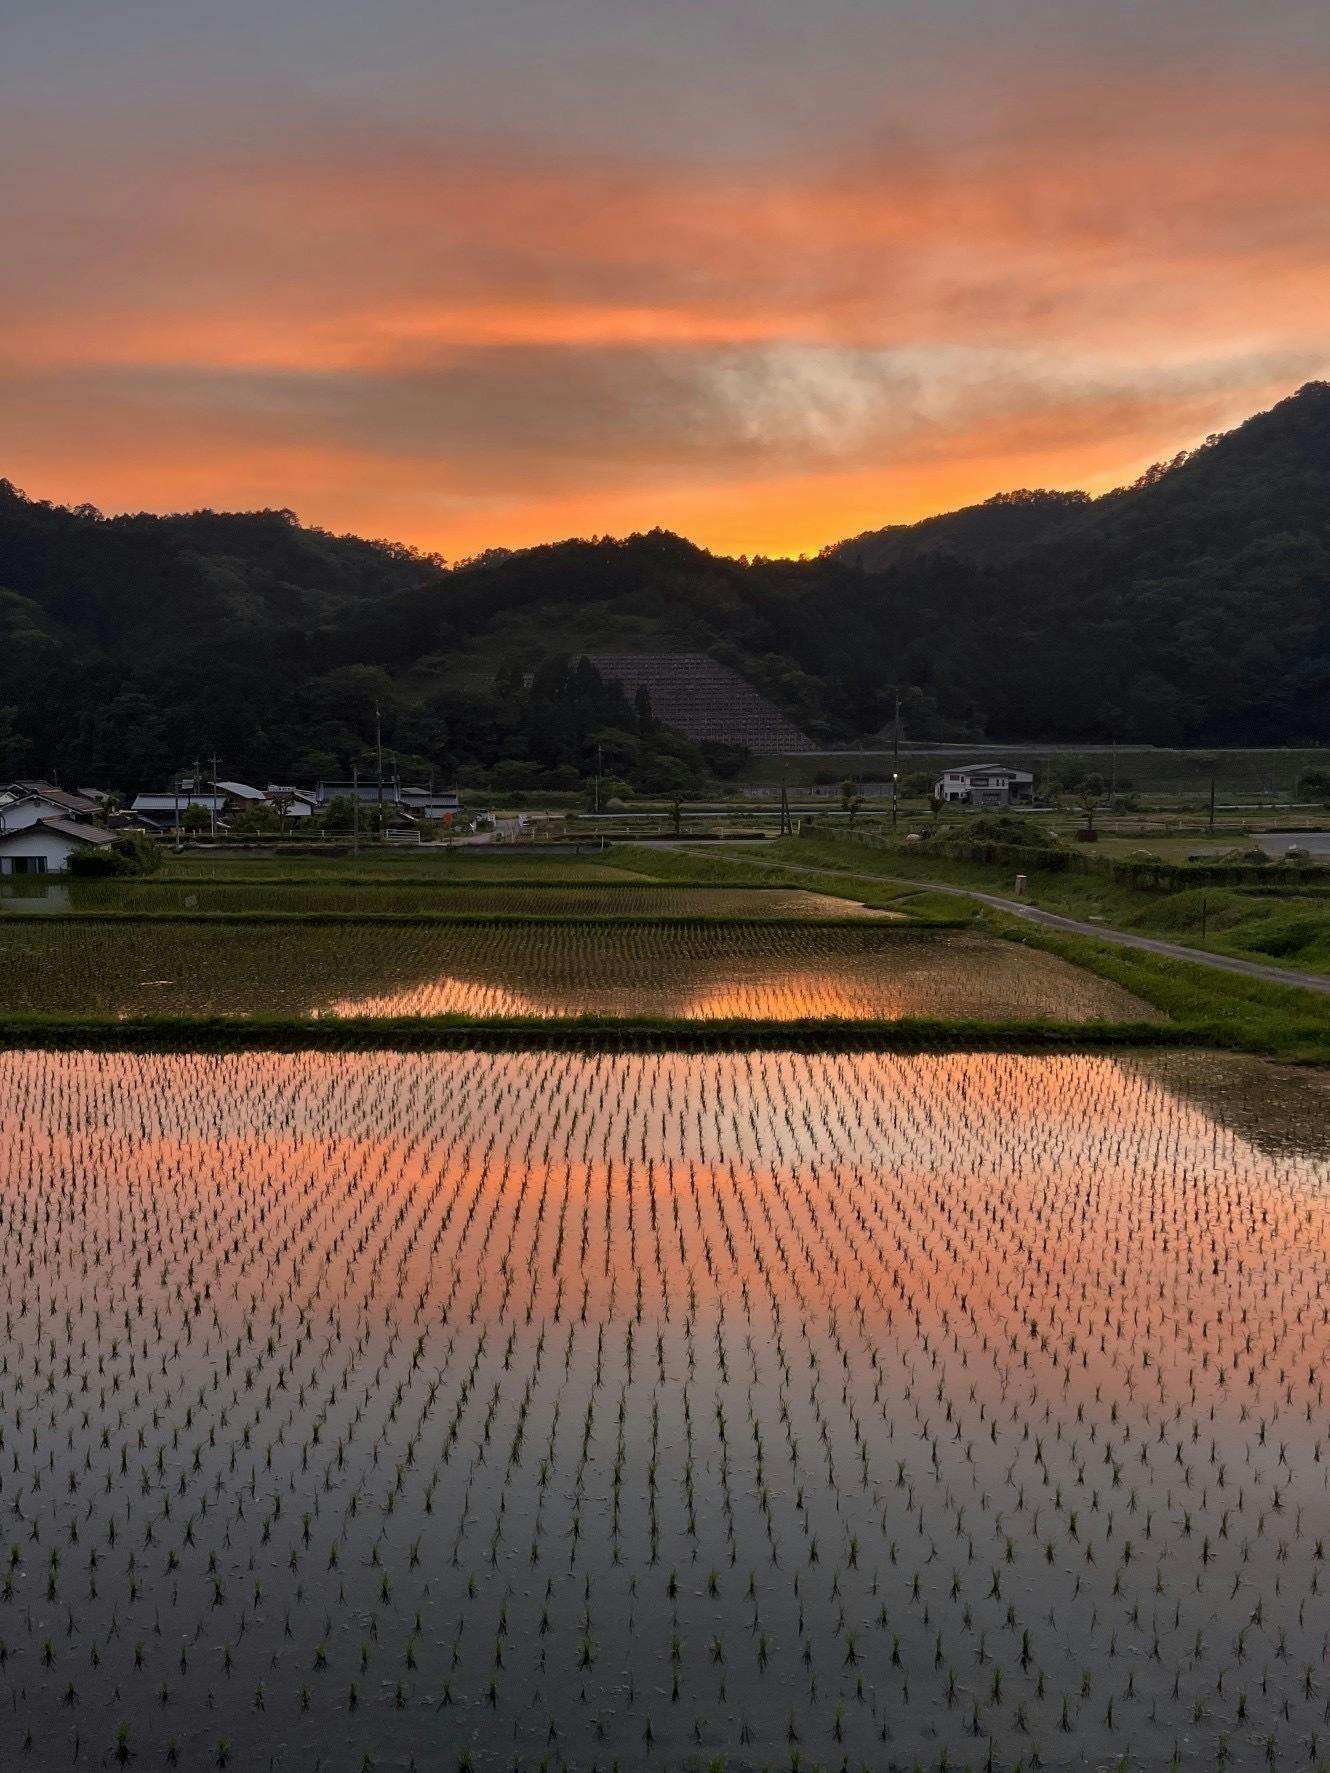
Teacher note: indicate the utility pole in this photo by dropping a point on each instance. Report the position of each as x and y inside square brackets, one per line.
[355, 809]
[1113, 775]
[1212, 806]
[600, 754]
[378, 746]
[786, 823]
[895, 763]
[175, 783]
[212, 820]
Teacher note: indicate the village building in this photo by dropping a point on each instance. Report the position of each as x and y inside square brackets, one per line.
[986, 785]
[45, 846]
[368, 790]
[163, 812]
[429, 803]
[26, 803]
[415, 802]
[291, 802]
[240, 797]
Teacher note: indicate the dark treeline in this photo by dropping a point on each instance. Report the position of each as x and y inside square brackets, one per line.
[1191, 608]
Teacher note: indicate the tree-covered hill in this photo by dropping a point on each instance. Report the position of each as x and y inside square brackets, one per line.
[1001, 529]
[1192, 607]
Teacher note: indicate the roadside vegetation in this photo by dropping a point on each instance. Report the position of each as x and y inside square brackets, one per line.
[1278, 913]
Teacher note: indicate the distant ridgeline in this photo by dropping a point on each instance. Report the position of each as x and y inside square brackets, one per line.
[702, 698]
[1189, 609]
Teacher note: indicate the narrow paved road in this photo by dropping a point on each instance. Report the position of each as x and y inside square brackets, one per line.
[1226, 963]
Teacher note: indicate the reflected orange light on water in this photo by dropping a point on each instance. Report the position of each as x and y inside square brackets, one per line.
[1021, 1345]
[704, 975]
[946, 1193]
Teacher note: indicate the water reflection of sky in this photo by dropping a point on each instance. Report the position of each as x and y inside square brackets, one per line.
[562, 1324]
[951, 976]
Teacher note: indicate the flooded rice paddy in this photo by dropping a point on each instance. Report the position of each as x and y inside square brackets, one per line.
[441, 897]
[665, 1411]
[700, 972]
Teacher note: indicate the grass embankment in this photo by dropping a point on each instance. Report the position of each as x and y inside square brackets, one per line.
[1204, 1006]
[1285, 920]
[586, 1033]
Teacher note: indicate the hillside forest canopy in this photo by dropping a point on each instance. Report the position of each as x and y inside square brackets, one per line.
[1191, 608]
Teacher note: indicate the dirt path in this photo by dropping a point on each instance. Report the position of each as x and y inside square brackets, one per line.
[1226, 963]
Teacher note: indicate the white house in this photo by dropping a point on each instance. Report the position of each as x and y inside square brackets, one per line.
[985, 784]
[46, 846]
[18, 811]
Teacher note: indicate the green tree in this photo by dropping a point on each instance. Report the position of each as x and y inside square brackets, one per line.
[258, 821]
[1089, 797]
[131, 853]
[339, 814]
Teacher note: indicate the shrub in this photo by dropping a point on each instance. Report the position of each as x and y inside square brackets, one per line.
[131, 853]
[1006, 828]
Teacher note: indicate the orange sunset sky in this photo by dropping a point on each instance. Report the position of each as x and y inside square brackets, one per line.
[764, 272]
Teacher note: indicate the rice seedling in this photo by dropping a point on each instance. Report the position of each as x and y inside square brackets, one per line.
[471, 1410]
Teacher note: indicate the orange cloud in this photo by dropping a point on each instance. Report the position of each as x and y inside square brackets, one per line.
[465, 344]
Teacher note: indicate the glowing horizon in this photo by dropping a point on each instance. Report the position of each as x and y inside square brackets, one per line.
[522, 273]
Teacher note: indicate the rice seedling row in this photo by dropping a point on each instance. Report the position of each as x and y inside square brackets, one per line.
[758, 1411]
[758, 972]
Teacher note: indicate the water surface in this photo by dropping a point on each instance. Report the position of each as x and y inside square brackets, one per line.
[568, 1410]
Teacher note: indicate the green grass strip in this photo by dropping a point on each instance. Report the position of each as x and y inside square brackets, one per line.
[1218, 1009]
[522, 919]
[459, 883]
[589, 1033]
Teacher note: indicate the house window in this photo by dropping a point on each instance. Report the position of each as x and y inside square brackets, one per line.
[30, 864]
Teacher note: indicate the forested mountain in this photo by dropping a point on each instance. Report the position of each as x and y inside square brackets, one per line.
[1002, 528]
[1193, 607]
